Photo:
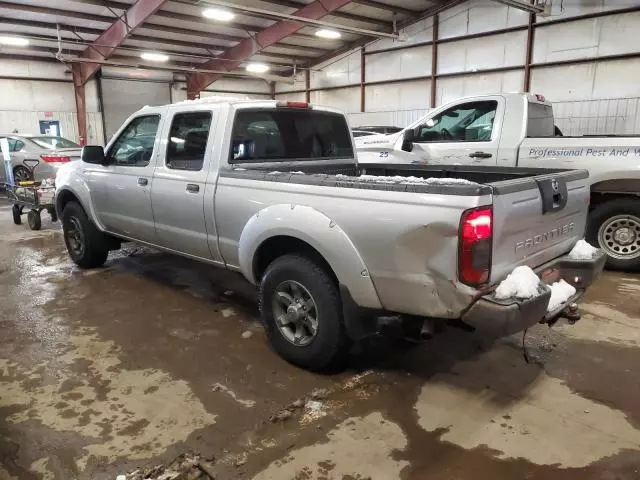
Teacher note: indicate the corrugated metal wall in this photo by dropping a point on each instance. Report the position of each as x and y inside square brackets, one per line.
[598, 95]
[614, 116]
[400, 118]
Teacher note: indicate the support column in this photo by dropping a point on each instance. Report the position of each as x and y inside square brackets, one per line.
[363, 80]
[81, 105]
[307, 86]
[193, 93]
[434, 61]
[529, 55]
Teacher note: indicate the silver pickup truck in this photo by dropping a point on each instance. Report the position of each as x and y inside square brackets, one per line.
[273, 190]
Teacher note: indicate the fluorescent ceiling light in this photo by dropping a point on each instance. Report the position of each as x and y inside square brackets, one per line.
[326, 33]
[14, 41]
[218, 14]
[257, 68]
[154, 56]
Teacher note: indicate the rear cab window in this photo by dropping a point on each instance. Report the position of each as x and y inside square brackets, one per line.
[289, 134]
[540, 120]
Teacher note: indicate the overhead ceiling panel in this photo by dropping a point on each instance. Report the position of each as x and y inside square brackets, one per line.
[52, 18]
[196, 11]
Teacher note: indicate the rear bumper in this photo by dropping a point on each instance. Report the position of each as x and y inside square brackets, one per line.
[506, 317]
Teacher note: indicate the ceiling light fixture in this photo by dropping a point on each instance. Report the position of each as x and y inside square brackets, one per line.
[218, 14]
[326, 33]
[154, 56]
[14, 41]
[257, 68]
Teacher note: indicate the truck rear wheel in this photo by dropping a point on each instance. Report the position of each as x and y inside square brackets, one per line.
[301, 308]
[87, 246]
[614, 226]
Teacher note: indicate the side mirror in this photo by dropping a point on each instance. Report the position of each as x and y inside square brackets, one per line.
[408, 138]
[92, 154]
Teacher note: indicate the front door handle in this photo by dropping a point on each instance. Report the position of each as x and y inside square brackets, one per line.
[480, 155]
[193, 188]
[143, 182]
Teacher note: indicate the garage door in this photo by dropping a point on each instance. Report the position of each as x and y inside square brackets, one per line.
[120, 98]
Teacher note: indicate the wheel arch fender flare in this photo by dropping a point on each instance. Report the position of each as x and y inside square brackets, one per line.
[308, 225]
[80, 191]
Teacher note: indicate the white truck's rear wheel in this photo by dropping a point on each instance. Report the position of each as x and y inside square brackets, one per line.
[301, 308]
[614, 226]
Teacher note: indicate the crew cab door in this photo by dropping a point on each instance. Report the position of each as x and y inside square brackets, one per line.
[179, 183]
[126, 209]
[467, 134]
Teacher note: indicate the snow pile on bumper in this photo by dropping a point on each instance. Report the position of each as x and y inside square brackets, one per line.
[522, 282]
[582, 251]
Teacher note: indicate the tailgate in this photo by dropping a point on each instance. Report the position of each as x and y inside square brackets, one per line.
[537, 219]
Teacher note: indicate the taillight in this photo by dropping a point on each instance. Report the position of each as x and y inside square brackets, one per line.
[476, 238]
[53, 158]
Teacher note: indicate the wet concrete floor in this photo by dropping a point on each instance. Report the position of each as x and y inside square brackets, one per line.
[105, 371]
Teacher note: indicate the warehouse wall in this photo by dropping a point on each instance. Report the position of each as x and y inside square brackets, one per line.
[40, 90]
[27, 99]
[225, 87]
[586, 64]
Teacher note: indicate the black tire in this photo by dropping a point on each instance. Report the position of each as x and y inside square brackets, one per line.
[34, 220]
[22, 173]
[87, 246]
[600, 215]
[17, 215]
[330, 344]
[53, 214]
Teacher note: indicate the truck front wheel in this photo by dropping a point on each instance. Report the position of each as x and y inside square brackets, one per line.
[301, 308]
[86, 244]
[614, 226]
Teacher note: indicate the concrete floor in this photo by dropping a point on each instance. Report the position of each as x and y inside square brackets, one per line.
[108, 370]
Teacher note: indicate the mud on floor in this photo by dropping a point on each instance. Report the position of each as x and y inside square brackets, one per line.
[130, 366]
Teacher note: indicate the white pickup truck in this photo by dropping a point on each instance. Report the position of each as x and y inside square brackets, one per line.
[517, 130]
[273, 190]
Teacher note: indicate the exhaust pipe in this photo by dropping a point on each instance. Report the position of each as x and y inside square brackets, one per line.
[428, 329]
[418, 329]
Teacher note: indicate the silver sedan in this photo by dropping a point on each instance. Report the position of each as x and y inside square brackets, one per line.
[36, 157]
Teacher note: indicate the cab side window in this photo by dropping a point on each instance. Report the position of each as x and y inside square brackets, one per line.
[469, 122]
[188, 141]
[134, 146]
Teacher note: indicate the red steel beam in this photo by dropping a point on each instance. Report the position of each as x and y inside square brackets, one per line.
[115, 35]
[81, 107]
[531, 32]
[251, 46]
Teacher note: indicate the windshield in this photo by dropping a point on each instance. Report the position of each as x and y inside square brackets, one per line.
[52, 143]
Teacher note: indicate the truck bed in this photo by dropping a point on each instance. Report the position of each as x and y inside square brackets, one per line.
[477, 174]
[530, 227]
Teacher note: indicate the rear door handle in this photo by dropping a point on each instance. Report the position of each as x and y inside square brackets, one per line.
[193, 188]
[143, 182]
[480, 155]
